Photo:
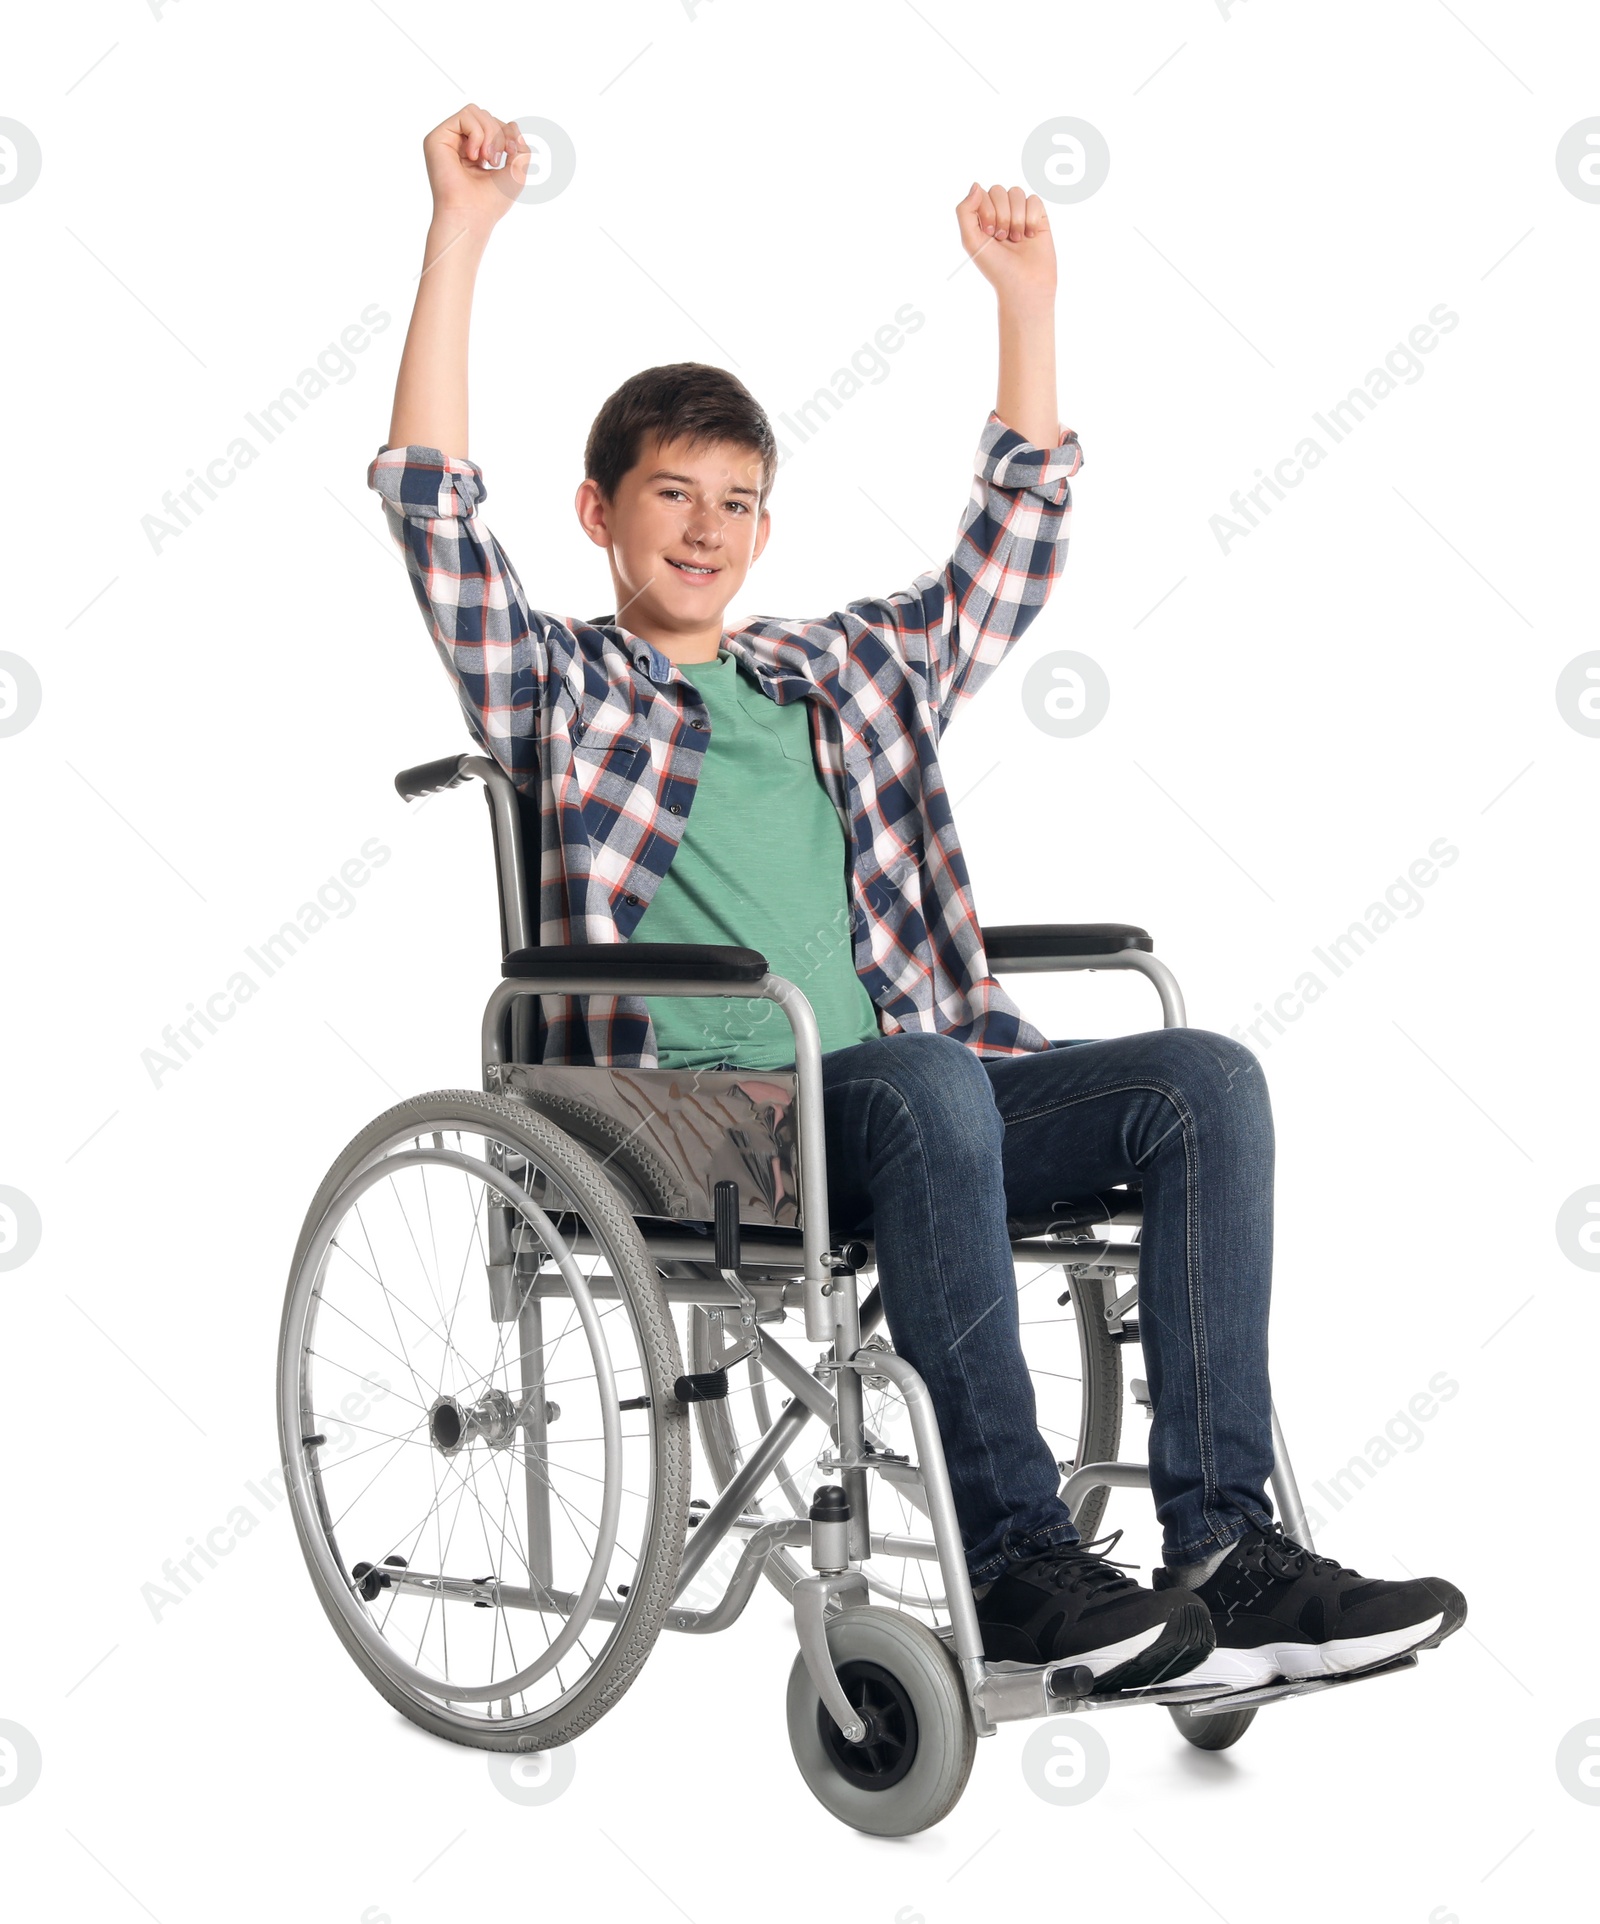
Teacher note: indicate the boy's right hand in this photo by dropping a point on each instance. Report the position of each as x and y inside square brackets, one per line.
[477, 166]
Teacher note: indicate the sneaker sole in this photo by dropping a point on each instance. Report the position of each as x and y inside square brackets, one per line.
[1161, 1654]
[1240, 1669]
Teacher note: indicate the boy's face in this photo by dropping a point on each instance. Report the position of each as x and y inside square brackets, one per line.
[681, 532]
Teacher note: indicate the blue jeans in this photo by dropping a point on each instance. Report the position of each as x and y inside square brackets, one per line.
[931, 1147]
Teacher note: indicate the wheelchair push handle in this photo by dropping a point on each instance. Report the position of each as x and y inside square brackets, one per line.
[427, 778]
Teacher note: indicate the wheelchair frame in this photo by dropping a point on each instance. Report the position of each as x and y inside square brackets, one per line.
[822, 1278]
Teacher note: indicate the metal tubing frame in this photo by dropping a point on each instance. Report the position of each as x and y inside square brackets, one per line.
[1095, 1476]
[1291, 1511]
[536, 1428]
[512, 875]
[965, 1635]
[823, 1318]
[729, 1507]
[1173, 1014]
[797, 1379]
[710, 1293]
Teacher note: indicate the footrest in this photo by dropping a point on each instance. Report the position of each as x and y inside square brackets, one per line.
[1213, 1706]
[1010, 1691]
[1070, 1680]
[710, 1386]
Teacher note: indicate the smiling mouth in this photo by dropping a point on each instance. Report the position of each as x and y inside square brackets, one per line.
[692, 569]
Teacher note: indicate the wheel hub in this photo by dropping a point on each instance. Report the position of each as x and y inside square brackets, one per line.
[880, 1758]
[453, 1425]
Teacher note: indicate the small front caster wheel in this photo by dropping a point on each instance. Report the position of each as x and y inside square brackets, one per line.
[912, 1765]
[1211, 1733]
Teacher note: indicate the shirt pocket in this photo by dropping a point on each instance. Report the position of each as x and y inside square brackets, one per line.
[796, 744]
[793, 740]
[608, 739]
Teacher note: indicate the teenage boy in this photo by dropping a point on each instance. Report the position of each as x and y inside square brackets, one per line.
[777, 785]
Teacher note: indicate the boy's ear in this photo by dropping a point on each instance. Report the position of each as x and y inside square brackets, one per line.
[593, 512]
[762, 531]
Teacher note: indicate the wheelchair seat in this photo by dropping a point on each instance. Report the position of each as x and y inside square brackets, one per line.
[668, 1136]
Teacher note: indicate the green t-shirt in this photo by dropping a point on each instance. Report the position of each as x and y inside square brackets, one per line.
[761, 865]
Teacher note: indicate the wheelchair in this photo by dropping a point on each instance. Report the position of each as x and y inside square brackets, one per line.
[484, 1410]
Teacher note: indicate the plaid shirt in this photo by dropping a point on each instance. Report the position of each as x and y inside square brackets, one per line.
[594, 724]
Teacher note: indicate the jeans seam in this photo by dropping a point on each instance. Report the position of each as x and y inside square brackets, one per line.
[999, 1495]
[1194, 1285]
[1197, 1323]
[1118, 1088]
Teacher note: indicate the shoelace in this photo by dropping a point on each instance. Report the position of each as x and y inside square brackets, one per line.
[1287, 1559]
[1074, 1566]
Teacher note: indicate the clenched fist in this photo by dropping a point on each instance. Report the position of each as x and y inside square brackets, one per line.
[477, 166]
[1007, 233]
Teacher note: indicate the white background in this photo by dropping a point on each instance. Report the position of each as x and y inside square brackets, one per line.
[1292, 189]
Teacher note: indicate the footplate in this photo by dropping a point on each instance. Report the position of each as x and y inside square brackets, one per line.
[1010, 1692]
[1210, 1705]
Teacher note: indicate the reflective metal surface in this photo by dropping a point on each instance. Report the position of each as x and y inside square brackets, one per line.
[677, 1133]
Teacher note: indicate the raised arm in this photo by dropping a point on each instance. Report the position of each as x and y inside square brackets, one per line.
[955, 625]
[477, 166]
[1007, 234]
[495, 647]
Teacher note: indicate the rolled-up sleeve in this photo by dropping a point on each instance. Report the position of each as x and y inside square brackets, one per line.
[495, 647]
[955, 624]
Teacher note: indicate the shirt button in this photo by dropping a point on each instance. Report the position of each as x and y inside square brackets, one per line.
[677, 808]
[697, 724]
[631, 900]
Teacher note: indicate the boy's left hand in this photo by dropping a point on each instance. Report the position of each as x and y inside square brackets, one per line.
[1007, 232]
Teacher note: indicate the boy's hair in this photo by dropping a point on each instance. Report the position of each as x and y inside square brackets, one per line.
[686, 400]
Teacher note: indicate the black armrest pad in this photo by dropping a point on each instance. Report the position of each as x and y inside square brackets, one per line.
[428, 777]
[1018, 941]
[644, 961]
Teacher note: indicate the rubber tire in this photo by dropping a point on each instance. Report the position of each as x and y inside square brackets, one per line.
[651, 1594]
[946, 1739]
[1211, 1733]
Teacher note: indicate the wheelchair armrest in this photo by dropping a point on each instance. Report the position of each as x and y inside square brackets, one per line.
[428, 777]
[644, 961]
[1031, 941]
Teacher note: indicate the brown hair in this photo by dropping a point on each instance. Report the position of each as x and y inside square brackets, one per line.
[686, 400]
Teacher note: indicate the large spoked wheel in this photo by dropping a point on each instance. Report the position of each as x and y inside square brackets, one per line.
[912, 1765]
[1211, 1733]
[486, 1462]
[1077, 1381]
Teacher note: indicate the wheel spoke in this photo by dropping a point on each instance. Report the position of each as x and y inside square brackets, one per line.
[415, 1239]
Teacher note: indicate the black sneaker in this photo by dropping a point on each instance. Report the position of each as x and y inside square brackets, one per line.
[1279, 1611]
[1069, 1603]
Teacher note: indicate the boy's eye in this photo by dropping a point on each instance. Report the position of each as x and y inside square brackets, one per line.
[742, 506]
